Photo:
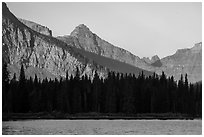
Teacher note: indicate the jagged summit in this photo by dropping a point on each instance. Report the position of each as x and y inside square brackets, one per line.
[152, 60]
[80, 30]
[155, 58]
[82, 26]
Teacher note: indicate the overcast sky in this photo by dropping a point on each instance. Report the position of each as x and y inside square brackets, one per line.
[145, 29]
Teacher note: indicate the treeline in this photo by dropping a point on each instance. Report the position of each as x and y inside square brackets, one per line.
[118, 93]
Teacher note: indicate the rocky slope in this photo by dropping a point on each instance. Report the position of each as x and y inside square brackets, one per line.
[184, 61]
[47, 56]
[42, 55]
[89, 41]
[37, 27]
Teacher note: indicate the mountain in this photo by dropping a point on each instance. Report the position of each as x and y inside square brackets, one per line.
[147, 60]
[86, 40]
[155, 61]
[40, 54]
[31, 44]
[46, 56]
[83, 38]
[184, 61]
[37, 27]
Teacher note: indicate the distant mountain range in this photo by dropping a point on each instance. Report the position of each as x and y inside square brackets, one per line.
[31, 44]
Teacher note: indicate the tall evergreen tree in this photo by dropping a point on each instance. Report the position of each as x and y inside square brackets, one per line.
[5, 87]
[23, 93]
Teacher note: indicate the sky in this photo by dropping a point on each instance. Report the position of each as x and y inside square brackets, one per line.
[145, 29]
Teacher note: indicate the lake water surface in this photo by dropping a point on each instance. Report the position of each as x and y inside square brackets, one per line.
[103, 127]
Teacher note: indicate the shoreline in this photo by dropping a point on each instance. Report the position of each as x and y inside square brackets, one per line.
[96, 116]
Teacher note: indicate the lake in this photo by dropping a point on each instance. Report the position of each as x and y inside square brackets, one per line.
[102, 127]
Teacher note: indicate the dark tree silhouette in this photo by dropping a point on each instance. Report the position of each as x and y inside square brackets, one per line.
[5, 87]
[118, 93]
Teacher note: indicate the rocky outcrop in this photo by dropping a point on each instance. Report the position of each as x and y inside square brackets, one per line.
[154, 59]
[37, 27]
[147, 60]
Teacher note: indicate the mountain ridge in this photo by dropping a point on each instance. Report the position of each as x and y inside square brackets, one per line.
[37, 52]
[37, 27]
[29, 45]
[89, 41]
[90, 52]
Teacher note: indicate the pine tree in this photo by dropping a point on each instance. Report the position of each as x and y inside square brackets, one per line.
[24, 105]
[22, 78]
[5, 87]
[96, 93]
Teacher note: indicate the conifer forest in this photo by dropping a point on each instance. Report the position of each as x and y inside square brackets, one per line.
[118, 93]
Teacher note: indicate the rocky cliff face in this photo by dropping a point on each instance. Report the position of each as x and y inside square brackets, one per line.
[40, 54]
[46, 56]
[36, 27]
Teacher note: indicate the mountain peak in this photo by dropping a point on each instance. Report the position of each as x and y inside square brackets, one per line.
[80, 30]
[197, 47]
[155, 61]
[152, 60]
[5, 10]
[82, 26]
[4, 6]
[155, 58]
